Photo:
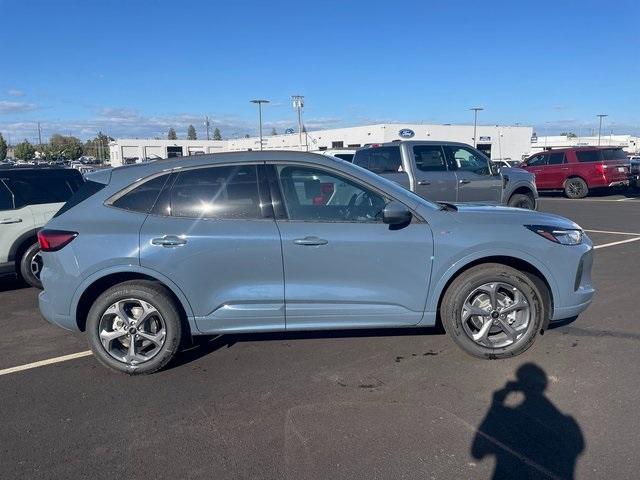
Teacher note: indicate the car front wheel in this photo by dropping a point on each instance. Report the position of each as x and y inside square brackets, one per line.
[134, 327]
[493, 311]
[520, 200]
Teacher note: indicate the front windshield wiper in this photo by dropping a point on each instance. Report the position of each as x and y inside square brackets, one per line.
[449, 207]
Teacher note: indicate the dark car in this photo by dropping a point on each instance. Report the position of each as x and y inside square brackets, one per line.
[576, 171]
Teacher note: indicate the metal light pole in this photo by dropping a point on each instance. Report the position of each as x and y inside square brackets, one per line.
[298, 105]
[260, 102]
[475, 123]
[600, 116]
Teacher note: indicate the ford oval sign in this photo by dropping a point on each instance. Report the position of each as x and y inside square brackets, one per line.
[406, 133]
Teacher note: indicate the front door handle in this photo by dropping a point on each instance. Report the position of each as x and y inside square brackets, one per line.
[424, 182]
[464, 181]
[7, 221]
[310, 241]
[169, 241]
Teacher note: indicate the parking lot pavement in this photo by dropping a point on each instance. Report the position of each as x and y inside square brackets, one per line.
[368, 404]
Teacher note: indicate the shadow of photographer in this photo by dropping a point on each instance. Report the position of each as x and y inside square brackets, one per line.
[525, 432]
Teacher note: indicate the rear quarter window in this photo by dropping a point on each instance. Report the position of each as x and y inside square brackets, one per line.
[585, 156]
[614, 154]
[143, 197]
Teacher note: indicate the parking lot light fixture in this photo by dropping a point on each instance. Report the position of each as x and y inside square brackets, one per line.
[260, 102]
[600, 116]
[475, 123]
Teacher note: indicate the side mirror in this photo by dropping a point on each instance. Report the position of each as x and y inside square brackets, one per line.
[395, 213]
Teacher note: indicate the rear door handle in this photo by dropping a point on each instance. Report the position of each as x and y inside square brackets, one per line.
[424, 182]
[7, 221]
[169, 241]
[310, 241]
[464, 181]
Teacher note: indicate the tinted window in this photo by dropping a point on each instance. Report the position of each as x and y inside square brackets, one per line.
[429, 158]
[556, 158]
[217, 192]
[344, 156]
[379, 159]
[589, 155]
[537, 161]
[142, 198]
[614, 154]
[470, 161]
[85, 191]
[315, 195]
[6, 199]
[45, 188]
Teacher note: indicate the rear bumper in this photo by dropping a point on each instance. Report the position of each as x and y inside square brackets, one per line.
[619, 183]
[48, 313]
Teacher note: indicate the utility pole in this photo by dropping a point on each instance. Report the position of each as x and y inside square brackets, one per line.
[206, 124]
[475, 123]
[600, 116]
[260, 102]
[39, 138]
[298, 105]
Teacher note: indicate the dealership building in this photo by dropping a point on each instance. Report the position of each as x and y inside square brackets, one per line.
[629, 143]
[496, 141]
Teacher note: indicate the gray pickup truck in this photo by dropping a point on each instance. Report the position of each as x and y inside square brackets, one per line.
[449, 172]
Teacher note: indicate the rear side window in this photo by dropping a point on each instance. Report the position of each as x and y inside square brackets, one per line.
[143, 197]
[229, 192]
[6, 199]
[430, 158]
[614, 154]
[344, 156]
[42, 189]
[556, 158]
[87, 190]
[379, 159]
[584, 156]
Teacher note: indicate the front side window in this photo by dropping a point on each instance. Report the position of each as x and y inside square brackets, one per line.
[226, 192]
[468, 160]
[537, 161]
[429, 158]
[6, 199]
[318, 196]
[584, 156]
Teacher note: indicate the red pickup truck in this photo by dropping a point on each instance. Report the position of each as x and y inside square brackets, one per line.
[578, 170]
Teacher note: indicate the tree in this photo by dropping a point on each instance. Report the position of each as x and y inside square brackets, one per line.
[98, 147]
[3, 148]
[191, 133]
[216, 134]
[70, 147]
[171, 135]
[24, 150]
[274, 131]
[568, 134]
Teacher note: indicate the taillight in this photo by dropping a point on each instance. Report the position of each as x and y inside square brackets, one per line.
[53, 240]
[600, 168]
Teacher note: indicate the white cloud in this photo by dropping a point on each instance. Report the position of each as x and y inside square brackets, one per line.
[16, 93]
[7, 107]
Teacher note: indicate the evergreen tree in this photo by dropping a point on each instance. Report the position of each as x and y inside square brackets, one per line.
[3, 148]
[216, 134]
[171, 135]
[274, 131]
[191, 133]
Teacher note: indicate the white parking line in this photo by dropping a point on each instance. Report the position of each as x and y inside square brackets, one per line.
[42, 363]
[612, 233]
[617, 243]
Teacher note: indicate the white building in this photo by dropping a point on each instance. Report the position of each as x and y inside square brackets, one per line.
[629, 143]
[496, 141]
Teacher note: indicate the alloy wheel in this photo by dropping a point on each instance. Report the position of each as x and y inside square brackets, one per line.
[496, 315]
[132, 331]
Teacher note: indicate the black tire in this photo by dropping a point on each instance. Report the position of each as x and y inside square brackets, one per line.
[521, 200]
[31, 266]
[451, 309]
[158, 297]
[576, 187]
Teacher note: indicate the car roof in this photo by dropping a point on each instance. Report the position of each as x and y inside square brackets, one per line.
[415, 142]
[581, 148]
[31, 171]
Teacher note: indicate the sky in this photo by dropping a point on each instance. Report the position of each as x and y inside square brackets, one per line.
[136, 68]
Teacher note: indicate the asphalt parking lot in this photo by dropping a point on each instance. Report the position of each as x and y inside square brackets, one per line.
[367, 404]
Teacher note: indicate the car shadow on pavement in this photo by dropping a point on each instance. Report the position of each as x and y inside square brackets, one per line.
[11, 283]
[526, 433]
[205, 345]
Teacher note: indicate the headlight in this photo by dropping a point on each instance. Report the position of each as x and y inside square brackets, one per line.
[557, 234]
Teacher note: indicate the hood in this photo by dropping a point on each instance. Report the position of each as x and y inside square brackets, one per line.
[490, 215]
[516, 173]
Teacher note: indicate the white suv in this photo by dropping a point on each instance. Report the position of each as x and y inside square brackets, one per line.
[29, 197]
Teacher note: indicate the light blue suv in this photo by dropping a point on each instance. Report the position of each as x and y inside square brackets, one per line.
[145, 256]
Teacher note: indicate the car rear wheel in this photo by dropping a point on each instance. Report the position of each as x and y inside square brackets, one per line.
[576, 188]
[134, 327]
[493, 311]
[31, 265]
[521, 200]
